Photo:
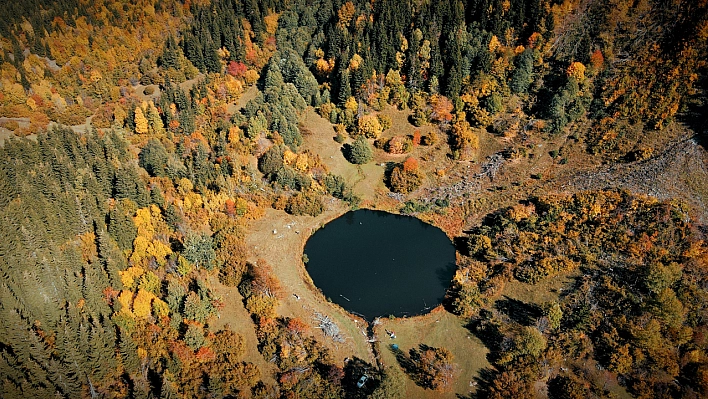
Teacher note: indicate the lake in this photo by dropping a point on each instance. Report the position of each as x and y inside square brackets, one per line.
[375, 263]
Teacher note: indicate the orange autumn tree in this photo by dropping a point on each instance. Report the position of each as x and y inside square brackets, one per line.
[406, 177]
[433, 367]
[441, 109]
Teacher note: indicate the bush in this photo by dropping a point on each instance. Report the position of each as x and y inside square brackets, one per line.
[74, 115]
[288, 177]
[307, 203]
[385, 121]
[10, 125]
[271, 161]
[430, 139]
[399, 145]
[406, 177]
[340, 138]
[199, 250]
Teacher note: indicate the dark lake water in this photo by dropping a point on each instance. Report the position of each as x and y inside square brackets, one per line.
[376, 263]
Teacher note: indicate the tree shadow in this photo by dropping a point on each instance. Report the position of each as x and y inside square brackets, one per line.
[388, 169]
[408, 362]
[461, 245]
[403, 360]
[523, 313]
[418, 365]
[696, 115]
[354, 369]
[347, 151]
[487, 329]
[445, 273]
[482, 381]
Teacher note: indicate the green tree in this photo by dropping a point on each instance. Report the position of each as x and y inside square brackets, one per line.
[194, 337]
[153, 158]
[522, 77]
[121, 227]
[271, 161]
[199, 250]
[360, 152]
[195, 308]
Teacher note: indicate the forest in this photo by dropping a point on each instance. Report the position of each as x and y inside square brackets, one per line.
[142, 142]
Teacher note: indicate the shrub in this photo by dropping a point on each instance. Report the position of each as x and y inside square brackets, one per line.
[430, 139]
[307, 203]
[399, 145]
[340, 138]
[385, 121]
[199, 250]
[370, 126]
[406, 177]
[271, 161]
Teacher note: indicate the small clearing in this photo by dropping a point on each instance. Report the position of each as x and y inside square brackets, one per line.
[319, 139]
[236, 317]
[436, 329]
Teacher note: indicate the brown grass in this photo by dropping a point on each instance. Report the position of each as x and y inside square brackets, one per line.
[283, 251]
[366, 179]
[437, 329]
[236, 318]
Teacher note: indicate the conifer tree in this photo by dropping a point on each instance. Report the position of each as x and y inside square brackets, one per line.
[141, 122]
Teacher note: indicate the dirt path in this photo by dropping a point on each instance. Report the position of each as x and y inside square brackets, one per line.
[279, 239]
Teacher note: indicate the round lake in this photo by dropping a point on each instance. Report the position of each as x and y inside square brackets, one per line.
[376, 263]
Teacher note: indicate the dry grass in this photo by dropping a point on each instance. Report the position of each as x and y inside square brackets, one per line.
[249, 94]
[547, 290]
[283, 251]
[436, 329]
[236, 318]
[366, 179]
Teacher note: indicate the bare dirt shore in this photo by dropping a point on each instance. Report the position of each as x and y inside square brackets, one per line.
[279, 239]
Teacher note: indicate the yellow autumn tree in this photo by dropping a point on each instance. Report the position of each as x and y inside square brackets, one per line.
[345, 14]
[351, 104]
[370, 126]
[142, 304]
[465, 140]
[125, 299]
[289, 157]
[302, 162]
[355, 62]
[577, 71]
[130, 276]
[141, 122]
[149, 223]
